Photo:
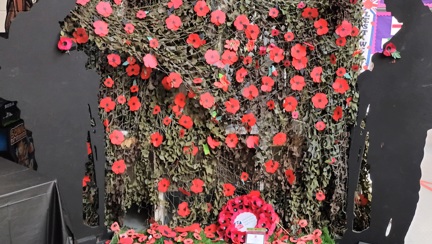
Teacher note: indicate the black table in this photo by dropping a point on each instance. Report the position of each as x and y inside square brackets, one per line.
[30, 207]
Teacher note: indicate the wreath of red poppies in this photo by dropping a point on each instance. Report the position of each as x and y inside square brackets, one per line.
[243, 212]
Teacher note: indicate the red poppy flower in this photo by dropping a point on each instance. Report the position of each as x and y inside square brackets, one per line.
[341, 41]
[156, 139]
[229, 57]
[333, 59]
[223, 83]
[129, 28]
[337, 113]
[276, 54]
[163, 185]
[188, 241]
[275, 32]
[207, 100]
[340, 85]
[134, 103]
[195, 40]
[180, 100]
[197, 81]
[212, 56]
[119, 167]
[116, 137]
[175, 4]
[201, 8]
[341, 71]
[249, 119]
[344, 29]
[80, 35]
[267, 84]
[252, 32]
[250, 92]
[197, 186]
[271, 105]
[279, 139]
[166, 121]
[355, 67]
[156, 109]
[150, 61]
[252, 141]
[175, 79]
[108, 82]
[186, 122]
[310, 13]
[134, 88]
[247, 60]
[240, 22]
[182, 133]
[190, 150]
[319, 100]
[212, 142]
[104, 9]
[244, 176]
[85, 180]
[320, 196]
[241, 74]
[228, 189]
[300, 64]
[355, 31]
[389, 48]
[191, 94]
[100, 28]
[232, 105]
[141, 14]
[173, 22]
[232, 44]
[217, 17]
[289, 173]
[145, 72]
[82, 2]
[316, 74]
[114, 59]
[133, 69]
[289, 36]
[231, 140]
[183, 209]
[273, 12]
[297, 83]
[321, 26]
[298, 51]
[290, 104]
[271, 166]
[107, 104]
[154, 43]
[320, 125]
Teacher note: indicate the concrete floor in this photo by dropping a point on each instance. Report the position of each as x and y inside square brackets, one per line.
[421, 227]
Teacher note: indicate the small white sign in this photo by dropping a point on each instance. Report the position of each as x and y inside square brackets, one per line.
[255, 239]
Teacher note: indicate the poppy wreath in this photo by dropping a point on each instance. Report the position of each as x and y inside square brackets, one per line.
[243, 212]
[212, 101]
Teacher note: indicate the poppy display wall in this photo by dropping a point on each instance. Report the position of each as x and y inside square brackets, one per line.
[54, 91]
[213, 101]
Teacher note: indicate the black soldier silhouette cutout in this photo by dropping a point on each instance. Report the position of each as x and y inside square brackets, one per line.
[398, 98]
[54, 92]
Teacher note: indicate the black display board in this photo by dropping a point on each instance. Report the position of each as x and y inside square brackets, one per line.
[54, 91]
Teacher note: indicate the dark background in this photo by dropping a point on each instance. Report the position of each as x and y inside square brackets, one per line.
[54, 90]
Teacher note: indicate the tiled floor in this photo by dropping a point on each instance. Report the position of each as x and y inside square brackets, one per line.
[421, 228]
